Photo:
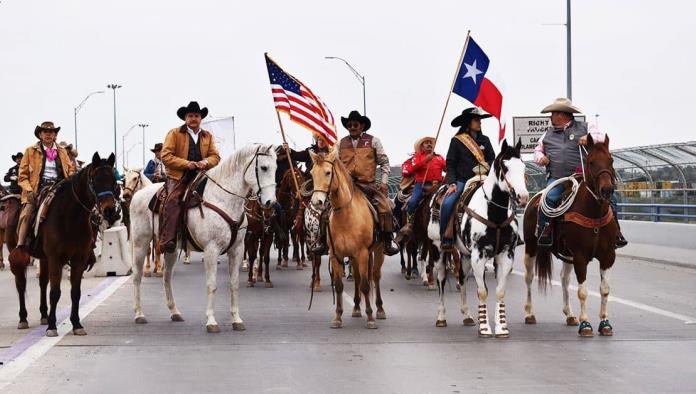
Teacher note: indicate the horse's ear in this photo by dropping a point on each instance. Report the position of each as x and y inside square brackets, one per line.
[125, 169]
[314, 156]
[590, 140]
[111, 160]
[518, 147]
[95, 159]
[504, 147]
[606, 141]
[331, 156]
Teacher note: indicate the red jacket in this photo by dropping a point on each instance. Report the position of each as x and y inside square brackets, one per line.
[417, 165]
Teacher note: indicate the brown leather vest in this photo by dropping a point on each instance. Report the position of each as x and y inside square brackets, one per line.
[360, 161]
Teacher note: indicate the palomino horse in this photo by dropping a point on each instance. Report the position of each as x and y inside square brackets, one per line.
[10, 206]
[250, 169]
[587, 230]
[350, 233]
[488, 233]
[289, 205]
[262, 225]
[83, 198]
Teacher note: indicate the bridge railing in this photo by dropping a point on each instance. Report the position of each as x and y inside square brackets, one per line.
[658, 212]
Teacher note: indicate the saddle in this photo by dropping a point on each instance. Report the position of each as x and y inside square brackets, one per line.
[371, 193]
[454, 223]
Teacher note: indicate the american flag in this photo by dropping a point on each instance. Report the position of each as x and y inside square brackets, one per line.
[304, 107]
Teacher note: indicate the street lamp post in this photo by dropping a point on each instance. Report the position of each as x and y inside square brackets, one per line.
[123, 145]
[114, 86]
[355, 72]
[78, 108]
[143, 126]
[596, 120]
[130, 149]
[569, 74]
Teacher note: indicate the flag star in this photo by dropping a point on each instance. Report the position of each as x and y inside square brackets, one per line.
[471, 71]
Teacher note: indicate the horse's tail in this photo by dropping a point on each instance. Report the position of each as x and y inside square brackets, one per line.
[544, 267]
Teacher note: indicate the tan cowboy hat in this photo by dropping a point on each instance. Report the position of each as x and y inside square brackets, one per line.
[45, 126]
[561, 104]
[417, 145]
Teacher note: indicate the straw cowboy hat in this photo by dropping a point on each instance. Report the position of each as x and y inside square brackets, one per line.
[464, 119]
[157, 148]
[19, 155]
[419, 143]
[355, 115]
[45, 126]
[561, 104]
[192, 107]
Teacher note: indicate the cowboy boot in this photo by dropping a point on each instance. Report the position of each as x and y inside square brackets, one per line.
[390, 248]
[406, 230]
[620, 240]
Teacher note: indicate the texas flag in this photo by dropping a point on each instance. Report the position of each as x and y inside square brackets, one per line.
[473, 85]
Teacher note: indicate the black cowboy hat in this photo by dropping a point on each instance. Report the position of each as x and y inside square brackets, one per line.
[464, 119]
[192, 107]
[157, 148]
[45, 126]
[355, 115]
[17, 156]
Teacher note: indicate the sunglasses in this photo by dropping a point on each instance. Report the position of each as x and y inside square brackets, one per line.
[353, 125]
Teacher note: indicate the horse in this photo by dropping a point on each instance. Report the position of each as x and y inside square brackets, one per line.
[66, 236]
[587, 230]
[350, 233]
[250, 169]
[419, 246]
[262, 225]
[312, 229]
[289, 205]
[488, 233]
[10, 207]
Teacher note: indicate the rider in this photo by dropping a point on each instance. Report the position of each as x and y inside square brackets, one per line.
[558, 151]
[154, 171]
[43, 165]
[470, 154]
[362, 153]
[186, 150]
[427, 167]
[13, 174]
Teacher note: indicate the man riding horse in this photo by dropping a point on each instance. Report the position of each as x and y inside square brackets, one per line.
[319, 146]
[470, 154]
[43, 165]
[154, 171]
[186, 150]
[558, 150]
[361, 154]
[12, 175]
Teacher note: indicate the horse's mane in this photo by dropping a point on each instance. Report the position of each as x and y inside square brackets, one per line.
[230, 165]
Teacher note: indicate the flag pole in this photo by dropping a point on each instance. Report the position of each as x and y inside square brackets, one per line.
[287, 154]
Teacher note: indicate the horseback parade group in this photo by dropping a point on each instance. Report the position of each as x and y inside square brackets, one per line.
[454, 215]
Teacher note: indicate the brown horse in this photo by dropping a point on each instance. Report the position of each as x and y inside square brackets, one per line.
[262, 226]
[66, 236]
[289, 205]
[420, 245]
[10, 206]
[586, 231]
[351, 233]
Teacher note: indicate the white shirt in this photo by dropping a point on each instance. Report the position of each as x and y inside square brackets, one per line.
[193, 134]
[50, 171]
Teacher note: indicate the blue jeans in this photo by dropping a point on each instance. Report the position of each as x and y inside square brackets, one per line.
[448, 207]
[415, 197]
[552, 199]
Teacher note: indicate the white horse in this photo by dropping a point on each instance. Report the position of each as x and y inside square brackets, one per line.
[251, 168]
[488, 233]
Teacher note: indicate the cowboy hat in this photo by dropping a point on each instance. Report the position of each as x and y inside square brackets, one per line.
[157, 148]
[192, 107]
[355, 115]
[45, 126]
[464, 119]
[561, 104]
[19, 155]
[417, 145]
[65, 145]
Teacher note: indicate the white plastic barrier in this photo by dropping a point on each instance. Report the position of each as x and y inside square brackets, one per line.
[115, 256]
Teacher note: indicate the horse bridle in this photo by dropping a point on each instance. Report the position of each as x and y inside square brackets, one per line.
[137, 183]
[594, 178]
[256, 168]
[97, 195]
[327, 192]
[511, 190]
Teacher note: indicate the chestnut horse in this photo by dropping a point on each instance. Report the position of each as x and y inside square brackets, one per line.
[66, 236]
[10, 207]
[289, 205]
[262, 225]
[586, 231]
[350, 233]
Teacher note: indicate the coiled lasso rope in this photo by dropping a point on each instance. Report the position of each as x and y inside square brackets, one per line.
[565, 204]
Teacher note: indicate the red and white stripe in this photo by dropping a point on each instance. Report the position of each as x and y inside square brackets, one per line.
[307, 110]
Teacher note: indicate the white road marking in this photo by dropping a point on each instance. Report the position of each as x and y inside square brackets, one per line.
[684, 318]
[11, 370]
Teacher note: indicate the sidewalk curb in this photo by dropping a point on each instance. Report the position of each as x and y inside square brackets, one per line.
[658, 261]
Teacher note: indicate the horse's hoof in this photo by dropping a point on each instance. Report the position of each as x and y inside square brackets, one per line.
[186, 262]
[245, 268]
[605, 329]
[425, 282]
[356, 313]
[432, 287]
[317, 288]
[159, 274]
[530, 319]
[469, 322]
[441, 323]
[51, 333]
[79, 332]
[336, 324]
[585, 330]
[572, 321]
[371, 324]
[44, 321]
[285, 264]
[408, 276]
[502, 335]
[140, 320]
[304, 265]
[485, 334]
[381, 315]
[177, 317]
[403, 270]
[458, 287]
[278, 267]
[269, 285]
[299, 267]
[250, 284]
[212, 329]
[147, 274]
[238, 327]
[23, 325]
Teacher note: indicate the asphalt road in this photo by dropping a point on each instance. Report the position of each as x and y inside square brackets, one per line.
[287, 348]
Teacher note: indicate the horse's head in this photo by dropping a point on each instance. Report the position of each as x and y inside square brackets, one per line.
[132, 182]
[102, 181]
[260, 174]
[599, 168]
[322, 177]
[510, 173]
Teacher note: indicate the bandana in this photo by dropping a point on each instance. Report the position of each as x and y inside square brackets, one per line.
[51, 154]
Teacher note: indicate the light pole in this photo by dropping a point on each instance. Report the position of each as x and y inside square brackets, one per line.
[234, 136]
[78, 108]
[123, 145]
[359, 76]
[143, 126]
[569, 74]
[596, 120]
[114, 86]
[131, 148]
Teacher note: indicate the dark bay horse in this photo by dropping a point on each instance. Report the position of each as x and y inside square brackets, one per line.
[66, 236]
[10, 206]
[262, 226]
[289, 205]
[585, 232]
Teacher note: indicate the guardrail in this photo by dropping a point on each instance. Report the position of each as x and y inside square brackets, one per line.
[658, 212]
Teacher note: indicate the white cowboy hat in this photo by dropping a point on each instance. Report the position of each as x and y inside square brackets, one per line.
[561, 104]
[417, 145]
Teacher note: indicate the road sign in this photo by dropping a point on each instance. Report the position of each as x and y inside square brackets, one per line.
[531, 128]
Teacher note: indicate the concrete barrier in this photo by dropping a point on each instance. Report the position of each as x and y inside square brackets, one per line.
[115, 256]
[676, 235]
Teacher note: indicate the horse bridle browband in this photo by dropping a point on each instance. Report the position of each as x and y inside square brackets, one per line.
[333, 171]
[97, 196]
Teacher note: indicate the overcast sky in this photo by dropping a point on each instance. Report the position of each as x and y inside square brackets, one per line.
[633, 63]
